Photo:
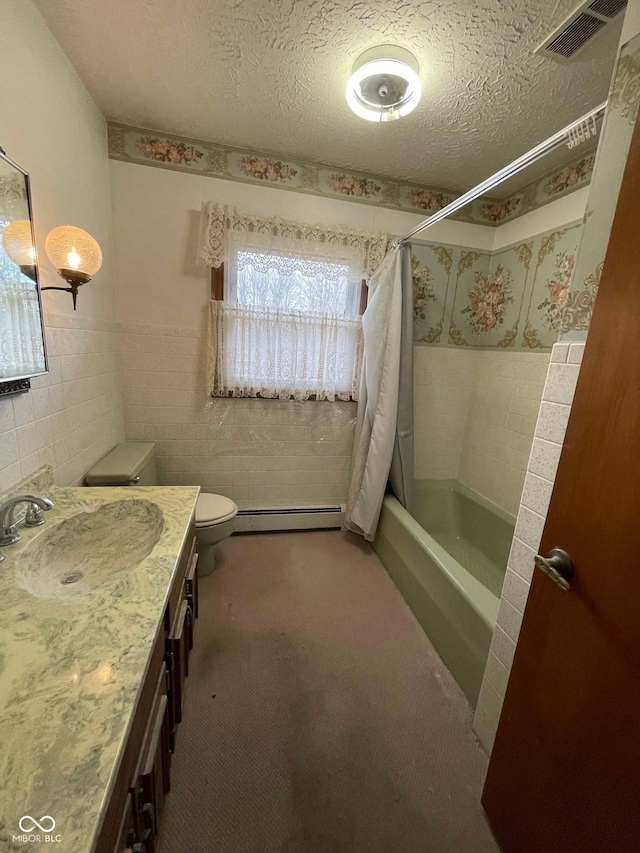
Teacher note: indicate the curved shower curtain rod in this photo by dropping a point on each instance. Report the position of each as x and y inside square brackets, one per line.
[550, 144]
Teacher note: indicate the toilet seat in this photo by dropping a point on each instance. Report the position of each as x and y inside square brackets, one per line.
[214, 509]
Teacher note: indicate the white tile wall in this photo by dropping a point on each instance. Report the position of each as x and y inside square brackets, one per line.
[550, 429]
[73, 416]
[260, 453]
[442, 383]
[475, 416]
[505, 398]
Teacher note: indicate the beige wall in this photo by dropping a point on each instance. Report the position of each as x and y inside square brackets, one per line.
[259, 453]
[164, 294]
[52, 128]
[155, 226]
[49, 124]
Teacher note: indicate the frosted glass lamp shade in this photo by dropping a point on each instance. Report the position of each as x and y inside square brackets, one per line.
[385, 84]
[73, 250]
[17, 241]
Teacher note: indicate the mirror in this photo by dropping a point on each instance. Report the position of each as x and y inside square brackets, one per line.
[22, 343]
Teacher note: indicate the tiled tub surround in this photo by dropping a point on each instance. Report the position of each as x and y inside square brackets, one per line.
[73, 416]
[260, 453]
[475, 414]
[73, 667]
[501, 417]
[442, 385]
[550, 429]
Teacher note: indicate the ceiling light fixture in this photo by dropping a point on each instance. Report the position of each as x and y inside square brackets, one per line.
[385, 84]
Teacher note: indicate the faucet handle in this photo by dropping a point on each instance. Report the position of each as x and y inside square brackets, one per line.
[9, 526]
[34, 516]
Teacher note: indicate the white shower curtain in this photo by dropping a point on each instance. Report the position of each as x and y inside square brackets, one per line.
[378, 404]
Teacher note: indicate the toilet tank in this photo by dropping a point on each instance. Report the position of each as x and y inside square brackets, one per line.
[131, 463]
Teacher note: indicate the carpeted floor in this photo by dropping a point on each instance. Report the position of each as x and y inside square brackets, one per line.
[319, 718]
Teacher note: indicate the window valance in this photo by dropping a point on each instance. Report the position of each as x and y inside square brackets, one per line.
[222, 227]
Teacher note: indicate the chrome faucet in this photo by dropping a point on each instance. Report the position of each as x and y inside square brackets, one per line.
[34, 516]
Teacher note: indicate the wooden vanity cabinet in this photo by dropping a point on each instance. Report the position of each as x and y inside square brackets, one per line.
[151, 779]
[178, 652]
[191, 585]
[132, 817]
[180, 643]
[126, 837]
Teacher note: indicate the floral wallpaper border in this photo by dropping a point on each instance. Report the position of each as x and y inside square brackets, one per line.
[167, 151]
[616, 134]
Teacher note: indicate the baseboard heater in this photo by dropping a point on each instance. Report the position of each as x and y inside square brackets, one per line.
[304, 518]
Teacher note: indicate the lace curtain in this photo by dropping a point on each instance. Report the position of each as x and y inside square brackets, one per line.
[219, 226]
[21, 346]
[289, 324]
[281, 354]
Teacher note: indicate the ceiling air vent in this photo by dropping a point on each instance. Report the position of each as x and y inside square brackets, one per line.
[565, 43]
[607, 8]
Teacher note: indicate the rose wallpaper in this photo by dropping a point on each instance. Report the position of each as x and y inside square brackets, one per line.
[512, 299]
[624, 98]
[189, 155]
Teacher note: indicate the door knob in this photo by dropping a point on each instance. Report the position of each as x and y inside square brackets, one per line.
[558, 565]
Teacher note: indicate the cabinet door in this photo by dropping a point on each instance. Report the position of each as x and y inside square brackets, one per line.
[191, 586]
[177, 660]
[126, 832]
[151, 778]
[154, 779]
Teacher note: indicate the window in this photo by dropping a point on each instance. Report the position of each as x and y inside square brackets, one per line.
[283, 283]
[290, 327]
[284, 318]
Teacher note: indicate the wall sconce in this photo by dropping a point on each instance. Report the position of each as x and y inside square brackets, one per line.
[17, 241]
[75, 255]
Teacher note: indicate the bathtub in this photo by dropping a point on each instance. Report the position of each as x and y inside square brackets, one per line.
[448, 560]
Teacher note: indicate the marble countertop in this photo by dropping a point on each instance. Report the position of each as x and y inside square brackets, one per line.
[71, 667]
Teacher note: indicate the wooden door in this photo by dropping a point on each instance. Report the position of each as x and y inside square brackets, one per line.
[565, 769]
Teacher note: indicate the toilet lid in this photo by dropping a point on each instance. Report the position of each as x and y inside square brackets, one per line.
[214, 509]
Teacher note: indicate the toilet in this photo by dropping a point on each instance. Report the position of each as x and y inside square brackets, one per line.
[133, 463]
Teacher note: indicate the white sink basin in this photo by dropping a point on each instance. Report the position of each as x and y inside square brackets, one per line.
[89, 550]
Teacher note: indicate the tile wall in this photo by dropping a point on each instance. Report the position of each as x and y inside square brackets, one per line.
[260, 453]
[551, 425]
[475, 415]
[442, 383]
[73, 416]
[501, 418]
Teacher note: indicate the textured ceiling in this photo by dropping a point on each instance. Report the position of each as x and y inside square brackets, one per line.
[269, 75]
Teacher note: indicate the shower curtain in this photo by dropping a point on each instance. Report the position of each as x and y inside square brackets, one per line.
[383, 444]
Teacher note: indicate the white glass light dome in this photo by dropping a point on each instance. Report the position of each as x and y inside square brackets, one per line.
[385, 84]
